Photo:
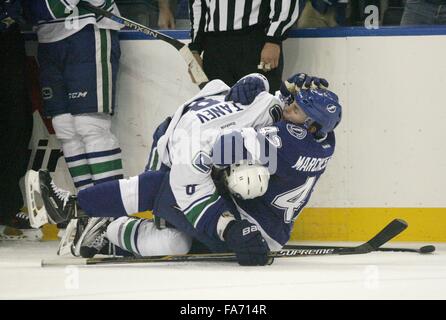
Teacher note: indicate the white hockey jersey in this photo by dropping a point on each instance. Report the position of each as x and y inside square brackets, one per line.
[199, 122]
[56, 20]
[187, 145]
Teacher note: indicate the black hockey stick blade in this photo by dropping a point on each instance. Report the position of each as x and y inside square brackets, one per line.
[423, 250]
[393, 229]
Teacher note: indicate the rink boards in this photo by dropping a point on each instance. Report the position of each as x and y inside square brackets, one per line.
[389, 160]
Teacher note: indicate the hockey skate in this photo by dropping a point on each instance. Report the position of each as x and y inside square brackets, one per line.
[46, 202]
[18, 227]
[10, 233]
[90, 238]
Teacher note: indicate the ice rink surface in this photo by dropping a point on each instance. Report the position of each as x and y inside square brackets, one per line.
[378, 275]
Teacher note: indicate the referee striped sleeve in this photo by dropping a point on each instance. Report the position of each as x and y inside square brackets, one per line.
[283, 15]
[197, 13]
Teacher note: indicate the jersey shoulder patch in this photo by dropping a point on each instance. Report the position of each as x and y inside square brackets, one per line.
[296, 131]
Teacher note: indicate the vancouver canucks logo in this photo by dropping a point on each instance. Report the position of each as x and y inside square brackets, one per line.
[331, 108]
[297, 132]
[275, 112]
[47, 93]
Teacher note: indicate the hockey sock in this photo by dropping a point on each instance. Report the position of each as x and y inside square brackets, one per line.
[73, 150]
[141, 237]
[102, 147]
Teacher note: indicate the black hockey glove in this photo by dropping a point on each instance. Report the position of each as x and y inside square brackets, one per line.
[300, 81]
[245, 239]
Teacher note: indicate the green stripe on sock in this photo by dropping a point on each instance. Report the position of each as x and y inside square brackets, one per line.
[196, 211]
[128, 235]
[107, 166]
[79, 170]
[105, 70]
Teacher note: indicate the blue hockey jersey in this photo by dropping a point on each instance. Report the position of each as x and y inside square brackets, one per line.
[301, 160]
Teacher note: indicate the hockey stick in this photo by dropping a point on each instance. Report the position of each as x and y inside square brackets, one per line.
[422, 250]
[389, 232]
[195, 69]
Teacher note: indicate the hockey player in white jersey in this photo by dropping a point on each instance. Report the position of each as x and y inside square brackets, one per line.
[186, 148]
[78, 57]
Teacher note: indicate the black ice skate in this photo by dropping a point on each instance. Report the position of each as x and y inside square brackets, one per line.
[91, 237]
[46, 201]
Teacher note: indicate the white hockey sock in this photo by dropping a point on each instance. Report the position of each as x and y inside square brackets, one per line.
[101, 146]
[141, 237]
[74, 151]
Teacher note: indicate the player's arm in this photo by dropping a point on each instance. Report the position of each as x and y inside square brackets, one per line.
[256, 146]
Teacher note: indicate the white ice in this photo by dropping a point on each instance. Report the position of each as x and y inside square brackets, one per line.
[378, 275]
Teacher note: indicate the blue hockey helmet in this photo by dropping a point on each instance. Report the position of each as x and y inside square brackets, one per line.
[322, 108]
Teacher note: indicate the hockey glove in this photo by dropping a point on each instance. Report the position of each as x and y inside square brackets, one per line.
[247, 89]
[245, 239]
[300, 81]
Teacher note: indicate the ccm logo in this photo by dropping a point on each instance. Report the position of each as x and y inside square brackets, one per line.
[77, 95]
[248, 230]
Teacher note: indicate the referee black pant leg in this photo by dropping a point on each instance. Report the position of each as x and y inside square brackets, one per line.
[16, 122]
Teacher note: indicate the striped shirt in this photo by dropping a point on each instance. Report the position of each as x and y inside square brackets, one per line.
[208, 16]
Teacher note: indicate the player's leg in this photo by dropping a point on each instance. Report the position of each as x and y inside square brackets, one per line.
[55, 94]
[73, 150]
[102, 150]
[142, 238]
[15, 129]
[109, 199]
[91, 78]
[121, 197]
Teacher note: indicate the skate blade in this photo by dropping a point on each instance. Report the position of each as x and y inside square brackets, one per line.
[67, 239]
[37, 212]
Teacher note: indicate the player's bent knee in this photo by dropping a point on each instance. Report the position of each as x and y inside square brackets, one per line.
[92, 124]
[152, 241]
[113, 230]
[149, 241]
[95, 129]
[178, 242]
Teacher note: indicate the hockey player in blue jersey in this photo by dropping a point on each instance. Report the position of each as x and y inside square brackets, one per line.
[304, 142]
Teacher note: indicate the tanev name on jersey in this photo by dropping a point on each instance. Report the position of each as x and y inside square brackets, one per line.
[217, 111]
[309, 164]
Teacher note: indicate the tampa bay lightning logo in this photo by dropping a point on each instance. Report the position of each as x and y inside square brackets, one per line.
[331, 108]
[47, 93]
[297, 132]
